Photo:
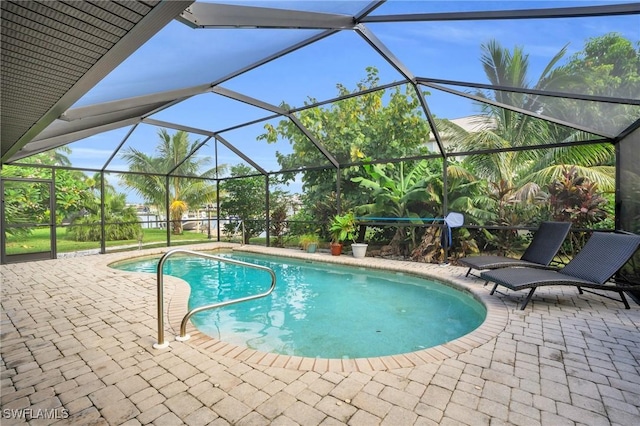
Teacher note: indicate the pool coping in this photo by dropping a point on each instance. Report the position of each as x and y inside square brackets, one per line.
[177, 291]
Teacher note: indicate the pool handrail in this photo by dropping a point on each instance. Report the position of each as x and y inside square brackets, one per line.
[161, 344]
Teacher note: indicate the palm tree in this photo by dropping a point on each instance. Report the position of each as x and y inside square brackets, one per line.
[520, 175]
[188, 186]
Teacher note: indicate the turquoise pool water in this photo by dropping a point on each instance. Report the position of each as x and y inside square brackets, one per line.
[320, 309]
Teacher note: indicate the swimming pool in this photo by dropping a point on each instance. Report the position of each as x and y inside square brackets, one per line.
[320, 309]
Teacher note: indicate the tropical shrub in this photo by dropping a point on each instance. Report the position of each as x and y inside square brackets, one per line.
[574, 198]
[121, 222]
[307, 239]
[343, 228]
[119, 226]
[244, 200]
[279, 224]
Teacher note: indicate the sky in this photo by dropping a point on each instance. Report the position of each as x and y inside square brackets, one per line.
[179, 57]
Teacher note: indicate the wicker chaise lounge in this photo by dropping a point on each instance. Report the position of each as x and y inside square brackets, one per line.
[543, 247]
[600, 258]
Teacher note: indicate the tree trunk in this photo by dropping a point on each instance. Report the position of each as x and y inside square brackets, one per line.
[429, 249]
[177, 227]
[393, 249]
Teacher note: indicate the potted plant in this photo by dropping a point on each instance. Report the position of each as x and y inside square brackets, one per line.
[342, 228]
[309, 242]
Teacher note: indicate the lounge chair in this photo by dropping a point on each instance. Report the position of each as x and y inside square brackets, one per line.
[541, 251]
[600, 258]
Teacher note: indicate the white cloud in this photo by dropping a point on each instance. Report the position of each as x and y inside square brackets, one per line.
[92, 153]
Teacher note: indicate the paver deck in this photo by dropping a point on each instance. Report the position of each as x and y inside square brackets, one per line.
[77, 336]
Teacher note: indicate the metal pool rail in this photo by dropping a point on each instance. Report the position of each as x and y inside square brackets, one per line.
[161, 344]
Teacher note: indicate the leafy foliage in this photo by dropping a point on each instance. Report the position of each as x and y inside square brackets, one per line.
[29, 202]
[244, 199]
[343, 228]
[397, 193]
[389, 123]
[517, 178]
[574, 198]
[119, 226]
[278, 204]
[121, 221]
[608, 65]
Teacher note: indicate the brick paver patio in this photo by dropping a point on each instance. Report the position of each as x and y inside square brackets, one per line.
[77, 336]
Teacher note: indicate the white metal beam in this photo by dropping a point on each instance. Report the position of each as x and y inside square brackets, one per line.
[492, 15]
[248, 100]
[35, 147]
[209, 15]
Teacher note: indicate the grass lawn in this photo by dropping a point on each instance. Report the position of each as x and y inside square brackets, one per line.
[38, 241]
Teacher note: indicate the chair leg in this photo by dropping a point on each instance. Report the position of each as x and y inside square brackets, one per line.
[526, 301]
[468, 273]
[493, 290]
[624, 300]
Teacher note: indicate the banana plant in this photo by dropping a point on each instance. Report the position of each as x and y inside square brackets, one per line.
[397, 192]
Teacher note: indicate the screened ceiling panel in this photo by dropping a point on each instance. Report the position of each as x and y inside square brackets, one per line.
[606, 119]
[443, 105]
[315, 71]
[82, 123]
[375, 133]
[180, 56]
[226, 75]
[452, 49]
[228, 159]
[143, 147]
[216, 112]
[481, 131]
[272, 150]
[93, 152]
[202, 162]
[53, 52]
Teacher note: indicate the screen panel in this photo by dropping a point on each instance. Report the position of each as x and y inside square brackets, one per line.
[342, 60]
[467, 125]
[89, 153]
[629, 161]
[275, 145]
[179, 56]
[455, 50]
[384, 124]
[156, 150]
[211, 112]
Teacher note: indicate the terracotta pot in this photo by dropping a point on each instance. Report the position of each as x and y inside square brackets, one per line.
[336, 249]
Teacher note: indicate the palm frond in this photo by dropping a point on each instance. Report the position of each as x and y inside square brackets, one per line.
[603, 176]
